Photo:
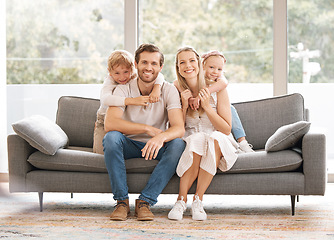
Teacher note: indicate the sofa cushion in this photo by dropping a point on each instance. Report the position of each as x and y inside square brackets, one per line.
[77, 116]
[84, 161]
[261, 118]
[266, 162]
[287, 136]
[41, 133]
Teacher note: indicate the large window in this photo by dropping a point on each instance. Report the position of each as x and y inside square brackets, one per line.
[311, 61]
[234, 27]
[57, 41]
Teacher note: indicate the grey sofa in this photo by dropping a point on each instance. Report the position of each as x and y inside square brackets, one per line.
[295, 171]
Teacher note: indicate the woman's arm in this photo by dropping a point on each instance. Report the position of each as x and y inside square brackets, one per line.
[220, 119]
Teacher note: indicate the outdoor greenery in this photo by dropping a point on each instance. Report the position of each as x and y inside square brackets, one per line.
[58, 41]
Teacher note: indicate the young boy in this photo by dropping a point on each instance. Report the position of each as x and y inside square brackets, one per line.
[121, 70]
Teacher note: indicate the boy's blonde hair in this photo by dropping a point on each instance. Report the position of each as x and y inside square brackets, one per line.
[121, 57]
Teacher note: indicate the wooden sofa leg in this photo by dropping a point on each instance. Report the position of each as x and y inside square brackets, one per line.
[293, 204]
[40, 196]
[71, 195]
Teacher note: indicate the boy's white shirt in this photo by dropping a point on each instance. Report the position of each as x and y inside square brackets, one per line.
[108, 99]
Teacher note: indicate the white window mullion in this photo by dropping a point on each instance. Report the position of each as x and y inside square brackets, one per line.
[130, 25]
[280, 47]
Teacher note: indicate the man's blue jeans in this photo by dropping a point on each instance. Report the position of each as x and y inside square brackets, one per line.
[118, 148]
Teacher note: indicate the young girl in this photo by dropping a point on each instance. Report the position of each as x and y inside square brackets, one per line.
[213, 64]
[121, 70]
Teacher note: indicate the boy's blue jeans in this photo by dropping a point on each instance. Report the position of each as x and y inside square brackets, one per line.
[118, 148]
[237, 128]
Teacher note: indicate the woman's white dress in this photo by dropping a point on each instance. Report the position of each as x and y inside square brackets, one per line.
[199, 136]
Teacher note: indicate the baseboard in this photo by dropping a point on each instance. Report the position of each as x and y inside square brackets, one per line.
[3, 177]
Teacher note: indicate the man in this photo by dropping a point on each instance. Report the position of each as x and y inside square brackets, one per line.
[141, 131]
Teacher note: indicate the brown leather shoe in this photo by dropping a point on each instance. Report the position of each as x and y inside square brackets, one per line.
[142, 211]
[121, 211]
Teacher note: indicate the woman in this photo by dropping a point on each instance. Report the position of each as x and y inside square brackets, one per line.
[209, 142]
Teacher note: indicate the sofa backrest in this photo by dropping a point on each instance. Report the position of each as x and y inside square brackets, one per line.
[261, 118]
[77, 116]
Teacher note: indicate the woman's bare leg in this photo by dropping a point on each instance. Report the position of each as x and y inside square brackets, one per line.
[205, 178]
[189, 177]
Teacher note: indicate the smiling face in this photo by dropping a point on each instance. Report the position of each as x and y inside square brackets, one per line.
[187, 65]
[213, 67]
[148, 66]
[121, 74]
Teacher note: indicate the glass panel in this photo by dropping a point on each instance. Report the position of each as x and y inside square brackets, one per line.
[58, 41]
[234, 27]
[311, 60]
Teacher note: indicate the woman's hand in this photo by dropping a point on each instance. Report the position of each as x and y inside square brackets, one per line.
[185, 95]
[204, 96]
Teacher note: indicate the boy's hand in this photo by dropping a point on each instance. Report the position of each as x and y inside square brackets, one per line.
[155, 94]
[154, 97]
[194, 103]
[138, 101]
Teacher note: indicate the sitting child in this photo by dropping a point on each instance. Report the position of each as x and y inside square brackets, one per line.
[121, 70]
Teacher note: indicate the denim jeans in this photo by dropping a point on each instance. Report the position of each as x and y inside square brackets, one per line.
[118, 148]
[237, 128]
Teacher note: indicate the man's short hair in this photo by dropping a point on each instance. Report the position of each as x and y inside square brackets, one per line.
[147, 47]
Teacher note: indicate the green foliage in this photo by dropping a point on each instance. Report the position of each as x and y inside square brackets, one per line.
[54, 41]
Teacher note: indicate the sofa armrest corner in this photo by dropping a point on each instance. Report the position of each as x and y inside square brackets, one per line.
[314, 163]
[19, 151]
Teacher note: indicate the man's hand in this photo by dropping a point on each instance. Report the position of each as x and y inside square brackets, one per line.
[152, 147]
[152, 131]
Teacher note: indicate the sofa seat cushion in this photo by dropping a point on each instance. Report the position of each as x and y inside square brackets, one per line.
[266, 162]
[84, 161]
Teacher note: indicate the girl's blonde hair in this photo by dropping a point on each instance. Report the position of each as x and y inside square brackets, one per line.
[202, 82]
[121, 57]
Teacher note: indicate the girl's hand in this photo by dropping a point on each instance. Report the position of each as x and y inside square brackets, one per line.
[204, 96]
[185, 95]
[194, 103]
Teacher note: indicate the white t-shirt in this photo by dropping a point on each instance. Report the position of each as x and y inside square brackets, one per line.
[155, 114]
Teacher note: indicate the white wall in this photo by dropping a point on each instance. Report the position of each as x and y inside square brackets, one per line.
[3, 97]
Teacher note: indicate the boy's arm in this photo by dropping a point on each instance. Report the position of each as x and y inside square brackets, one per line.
[155, 94]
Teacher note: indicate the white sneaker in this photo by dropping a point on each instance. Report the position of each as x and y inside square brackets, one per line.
[177, 211]
[245, 146]
[197, 210]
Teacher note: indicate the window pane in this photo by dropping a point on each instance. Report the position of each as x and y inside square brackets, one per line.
[58, 41]
[311, 60]
[234, 27]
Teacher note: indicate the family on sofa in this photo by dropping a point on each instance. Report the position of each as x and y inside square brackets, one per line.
[187, 126]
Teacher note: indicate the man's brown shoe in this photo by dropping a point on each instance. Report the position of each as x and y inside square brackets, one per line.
[142, 211]
[121, 211]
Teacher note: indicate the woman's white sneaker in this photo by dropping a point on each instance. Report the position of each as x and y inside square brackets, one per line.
[197, 210]
[177, 211]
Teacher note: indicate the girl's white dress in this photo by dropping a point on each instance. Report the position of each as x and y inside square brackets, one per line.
[199, 136]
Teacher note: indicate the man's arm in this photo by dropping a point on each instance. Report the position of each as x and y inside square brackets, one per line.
[114, 122]
[176, 130]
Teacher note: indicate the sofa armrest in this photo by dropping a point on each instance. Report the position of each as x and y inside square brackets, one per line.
[314, 163]
[19, 151]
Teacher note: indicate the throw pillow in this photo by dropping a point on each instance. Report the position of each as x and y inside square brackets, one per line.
[41, 133]
[287, 136]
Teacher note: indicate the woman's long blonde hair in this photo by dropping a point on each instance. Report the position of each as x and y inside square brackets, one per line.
[202, 82]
